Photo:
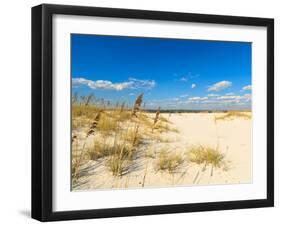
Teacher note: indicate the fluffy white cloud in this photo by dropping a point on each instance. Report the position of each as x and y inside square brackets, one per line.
[213, 102]
[220, 100]
[248, 87]
[132, 83]
[220, 86]
[245, 97]
[229, 97]
[212, 95]
[184, 95]
[193, 86]
[197, 98]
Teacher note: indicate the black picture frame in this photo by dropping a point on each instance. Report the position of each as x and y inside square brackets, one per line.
[42, 111]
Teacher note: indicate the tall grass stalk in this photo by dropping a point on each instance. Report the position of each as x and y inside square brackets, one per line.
[137, 105]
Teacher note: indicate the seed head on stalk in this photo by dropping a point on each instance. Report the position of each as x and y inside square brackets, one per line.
[137, 105]
[156, 119]
[94, 124]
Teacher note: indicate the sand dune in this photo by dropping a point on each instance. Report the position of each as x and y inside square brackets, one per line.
[232, 137]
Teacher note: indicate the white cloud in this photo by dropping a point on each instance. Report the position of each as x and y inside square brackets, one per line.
[193, 86]
[220, 86]
[183, 79]
[184, 95]
[197, 98]
[229, 94]
[212, 95]
[132, 83]
[229, 97]
[248, 87]
[247, 96]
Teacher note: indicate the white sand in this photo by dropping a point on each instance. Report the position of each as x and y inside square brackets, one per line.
[233, 138]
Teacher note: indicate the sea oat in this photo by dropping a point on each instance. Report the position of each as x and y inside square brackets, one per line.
[156, 118]
[137, 105]
[94, 124]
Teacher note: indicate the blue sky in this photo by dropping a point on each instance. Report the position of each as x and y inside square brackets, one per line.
[172, 73]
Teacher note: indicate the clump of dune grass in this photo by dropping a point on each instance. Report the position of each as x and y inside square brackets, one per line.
[206, 155]
[145, 120]
[123, 116]
[116, 165]
[135, 137]
[169, 161]
[107, 125]
[149, 153]
[132, 136]
[230, 115]
[123, 150]
[84, 111]
[76, 162]
[137, 105]
[99, 150]
[118, 162]
[76, 159]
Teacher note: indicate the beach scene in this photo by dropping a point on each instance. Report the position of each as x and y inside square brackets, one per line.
[153, 112]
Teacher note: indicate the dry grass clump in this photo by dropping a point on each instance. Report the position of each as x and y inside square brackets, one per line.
[115, 134]
[232, 115]
[133, 136]
[76, 160]
[137, 105]
[84, 111]
[99, 150]
[118, 162]
[149, 153]
[145, 120]
[123, 116]
[119, 116]
[107, 125]
[122, 151]
[206, 155]
[169, 161]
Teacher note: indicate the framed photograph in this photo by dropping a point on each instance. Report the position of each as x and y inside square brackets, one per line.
[146, 112]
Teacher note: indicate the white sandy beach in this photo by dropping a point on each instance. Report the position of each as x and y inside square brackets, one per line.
[232, 137]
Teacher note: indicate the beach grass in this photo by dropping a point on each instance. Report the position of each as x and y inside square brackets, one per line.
[169, 161]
